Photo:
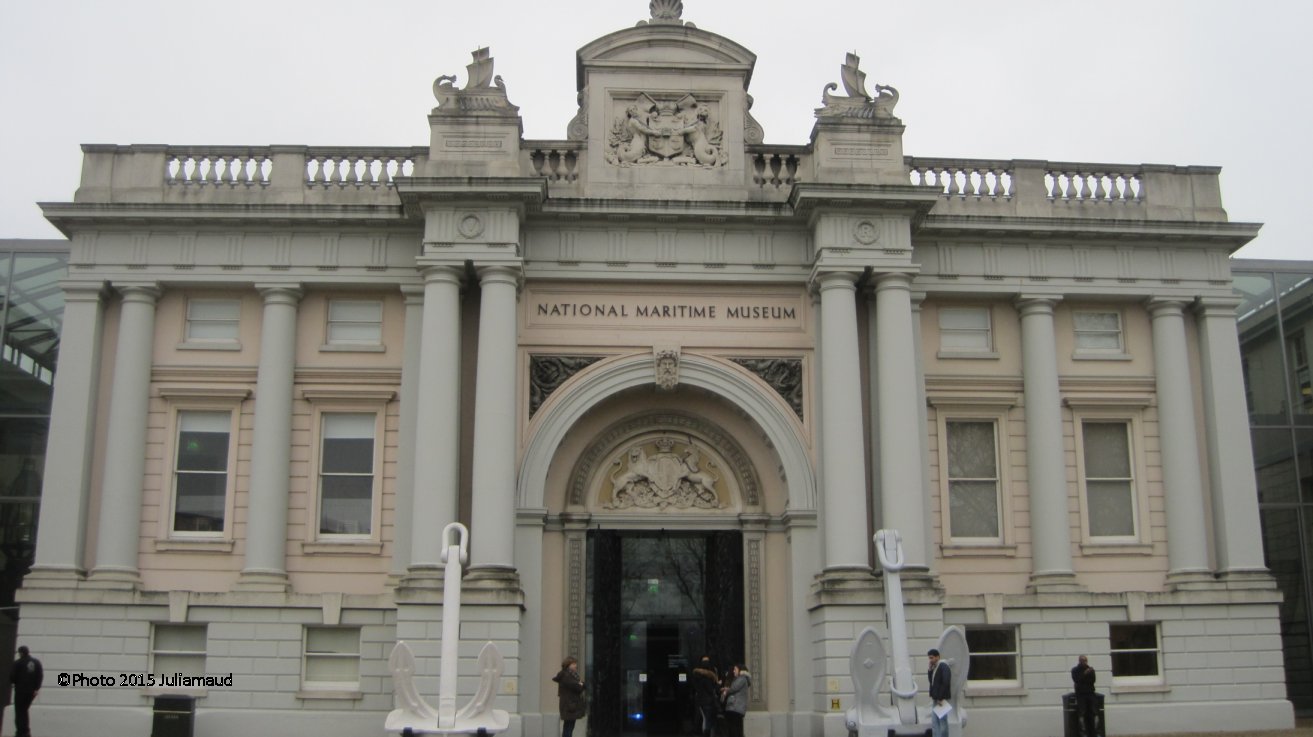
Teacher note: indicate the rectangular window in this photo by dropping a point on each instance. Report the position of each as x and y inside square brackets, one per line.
[201, 471]
[1098, 331]
[973, 482]
[178, 648]
[346, 473]
[212, 320]
[1109, 480]
[1135, 652]
[994, 656]
[965, 330]
[355, 322]
[332, 658]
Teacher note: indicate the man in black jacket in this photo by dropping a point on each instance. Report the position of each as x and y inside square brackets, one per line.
[941, 688]
[706, 694]
[1083, 677]
[26, 678]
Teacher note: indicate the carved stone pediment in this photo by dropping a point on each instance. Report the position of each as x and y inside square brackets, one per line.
[666, 130]
[857, 103]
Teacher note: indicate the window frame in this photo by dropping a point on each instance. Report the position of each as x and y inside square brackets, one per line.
[155, 650]
[1079, 351]
[331, 344]
[187, 399]
[993, 684]
[330, 401]
[189, 342]
[348, 687]
[1128, 412]
[991, 409]
[988, 351]
[1153, 680]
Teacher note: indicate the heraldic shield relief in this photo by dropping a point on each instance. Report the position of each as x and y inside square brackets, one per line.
[676, 475]
[666, 131]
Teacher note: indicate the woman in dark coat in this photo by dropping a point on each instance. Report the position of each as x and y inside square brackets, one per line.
[570, 692]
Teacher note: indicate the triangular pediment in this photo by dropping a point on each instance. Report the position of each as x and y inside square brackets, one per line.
[678, 48]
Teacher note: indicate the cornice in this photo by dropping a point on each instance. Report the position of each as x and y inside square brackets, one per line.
[1183, 234]
[71, 217]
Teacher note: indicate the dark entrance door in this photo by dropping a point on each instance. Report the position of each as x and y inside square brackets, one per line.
[658, 602]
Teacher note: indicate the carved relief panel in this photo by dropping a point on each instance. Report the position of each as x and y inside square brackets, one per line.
[666, 129]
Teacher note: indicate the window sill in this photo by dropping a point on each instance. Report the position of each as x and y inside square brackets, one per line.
[348, 348]
[154, 691]
[1093, 356]
[983, 550]
[978, 355]
[324, 547]
[198, 545]
[1140, 688]
[218, 345]
[327, 695]
[976, 692]
[1091, 548]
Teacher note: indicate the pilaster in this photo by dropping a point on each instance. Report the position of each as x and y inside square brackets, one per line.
[404, 501]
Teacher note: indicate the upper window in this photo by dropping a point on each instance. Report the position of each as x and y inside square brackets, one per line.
[331, 658]
[346, 473]
[212, 320]
[200, 475]
[355, 322]
[1110, 496]
[1136, 656]
[973, 480]
[965, 330]
[1098, 332]
[178, 648]
[994, 656]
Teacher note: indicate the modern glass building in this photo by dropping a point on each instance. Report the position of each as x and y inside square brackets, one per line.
[30, 319]
[1276, 335]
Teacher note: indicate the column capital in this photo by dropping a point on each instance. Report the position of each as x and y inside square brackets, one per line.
[1165, 306]
[1030, 304]
[499, 274]
[826, 280]
[84, 291]
[892, 280]
[144, 292]
[280, 293]
[413, 293]
[443, 274]
[1217, 306]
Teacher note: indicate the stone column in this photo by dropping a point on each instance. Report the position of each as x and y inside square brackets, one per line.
[437, 425]
[492, 516]
[1046, 464]
[902, 430]
[404, 499]
[125, 444]
[1236, 526]
[1187, 550]
[271, 443]
[67, 474]
[842, 458]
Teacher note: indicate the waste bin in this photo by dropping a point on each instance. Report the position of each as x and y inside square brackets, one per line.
[175, 716]
[1071, 726]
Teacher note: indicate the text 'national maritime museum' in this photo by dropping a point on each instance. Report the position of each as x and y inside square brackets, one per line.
[672, 379]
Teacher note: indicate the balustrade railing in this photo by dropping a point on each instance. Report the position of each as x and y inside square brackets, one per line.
[358, 167]
[775, 166]
[231, 166]
[557, 161]
[978, 178]
[1111, 183]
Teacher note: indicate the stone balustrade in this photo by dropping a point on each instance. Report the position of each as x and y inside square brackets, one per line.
[367, 175]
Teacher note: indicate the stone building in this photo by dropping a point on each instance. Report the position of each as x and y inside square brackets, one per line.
[673, 379]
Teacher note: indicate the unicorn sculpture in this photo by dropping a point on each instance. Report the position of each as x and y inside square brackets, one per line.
[869, 662]
[413, 715]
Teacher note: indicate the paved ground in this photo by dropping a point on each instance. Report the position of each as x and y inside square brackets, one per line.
[1303, 728]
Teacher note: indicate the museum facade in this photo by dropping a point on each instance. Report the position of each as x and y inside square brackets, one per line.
[672, 379]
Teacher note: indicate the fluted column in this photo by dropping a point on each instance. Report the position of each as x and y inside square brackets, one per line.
[1046, 466]
[1236, 526]
[404, 498]
[1187, 551]
[437, 424]
[902, 430]
[125, 440]
[842, 458]
[67, 473]
[492, 534]
[271, 443]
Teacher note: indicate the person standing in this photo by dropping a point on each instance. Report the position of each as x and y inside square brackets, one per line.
[736, 700]
[26, 678]
[941, 688]
[1083, 678]
[706, 694]
[570, 695]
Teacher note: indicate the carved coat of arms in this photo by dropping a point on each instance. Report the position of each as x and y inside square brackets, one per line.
[669, 478]
[666, 132]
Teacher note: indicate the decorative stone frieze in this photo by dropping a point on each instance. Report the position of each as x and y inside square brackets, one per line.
[548, 373]
[783, 374]
[660, 130]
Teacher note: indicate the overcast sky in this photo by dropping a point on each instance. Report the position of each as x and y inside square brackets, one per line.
[1212, 82]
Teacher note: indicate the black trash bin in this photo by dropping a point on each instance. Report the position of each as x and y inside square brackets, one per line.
[175, 716]
[1071, 726]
